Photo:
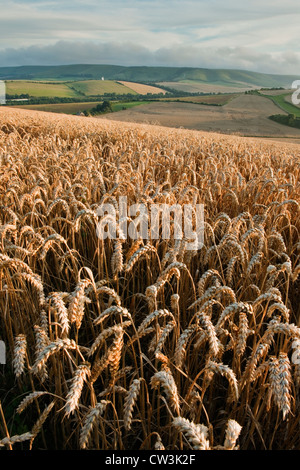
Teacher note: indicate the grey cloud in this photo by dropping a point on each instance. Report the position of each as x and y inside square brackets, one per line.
[67, 52]
[128, 53]
[57, 18]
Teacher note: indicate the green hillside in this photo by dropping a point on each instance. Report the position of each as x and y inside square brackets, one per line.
[144, 74]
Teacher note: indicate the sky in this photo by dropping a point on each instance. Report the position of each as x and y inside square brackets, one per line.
[257, 35]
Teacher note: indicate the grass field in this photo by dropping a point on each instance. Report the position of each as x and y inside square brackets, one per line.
[39, 89]
[282, 100]
[127, 105]
[100, 87]
[66, 108]
[136, 341]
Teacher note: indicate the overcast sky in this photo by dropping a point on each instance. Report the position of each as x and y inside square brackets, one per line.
[258, 35]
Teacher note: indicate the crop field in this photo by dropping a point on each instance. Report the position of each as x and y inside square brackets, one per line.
[217, 99]
[142, 89]
[140, 342]
[193, 86]
[38, 89]
[271, 92]
[245, 115]
[69, 89]
[100, 87]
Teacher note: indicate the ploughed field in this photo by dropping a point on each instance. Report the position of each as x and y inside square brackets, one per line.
[128, 344]
[246, 115]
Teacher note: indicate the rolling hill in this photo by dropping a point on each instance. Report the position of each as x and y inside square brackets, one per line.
[145, 74]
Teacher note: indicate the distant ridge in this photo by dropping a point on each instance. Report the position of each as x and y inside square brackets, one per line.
[146, 74]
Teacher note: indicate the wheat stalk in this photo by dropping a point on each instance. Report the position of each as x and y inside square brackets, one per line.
[51, 349]
[90, 421]
[19, 355]
[81, 376]
[29, 399]
[196, 433]
[15, 439]
[224, 370]
[166, 379]
[280, 381]
[233, 430]
[129, 402]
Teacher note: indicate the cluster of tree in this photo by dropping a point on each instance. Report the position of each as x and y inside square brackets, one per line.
[17, 97]
[101, 108]
[251, 92]
[256, 92]
[288, 120]
[274, 88]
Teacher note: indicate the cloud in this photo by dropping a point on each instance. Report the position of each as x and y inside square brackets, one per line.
[85, 52]
[256, 35]
[118, 53]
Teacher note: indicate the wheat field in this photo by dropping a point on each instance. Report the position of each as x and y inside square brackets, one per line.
[141, 344]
